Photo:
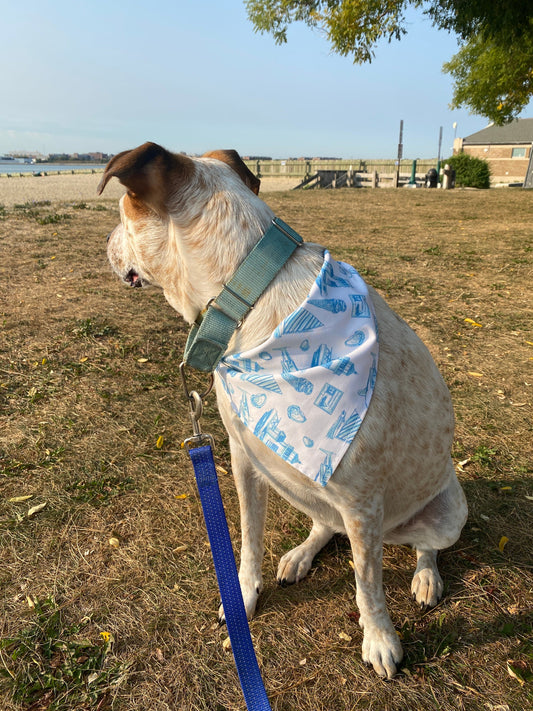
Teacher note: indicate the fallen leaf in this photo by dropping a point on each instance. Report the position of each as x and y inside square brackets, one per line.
[226, 644]
[345, 637]
[159, 655]
[461, 465]
[503, 542]
[160, 442]
[529, 498]
[84, 359]
[515, 672]
[35, 509]
[474, 374]
[506, 488]
[18, 499]
[180, 549]
[114, 542]
[474, 323]
[180, 497]
[142, 360]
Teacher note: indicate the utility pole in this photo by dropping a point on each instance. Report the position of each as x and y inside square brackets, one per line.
[440, 146]
[400, 154]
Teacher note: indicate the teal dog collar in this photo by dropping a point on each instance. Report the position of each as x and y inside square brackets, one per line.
[209, 336]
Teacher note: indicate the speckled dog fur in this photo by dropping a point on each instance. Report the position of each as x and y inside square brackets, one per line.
[186, 224]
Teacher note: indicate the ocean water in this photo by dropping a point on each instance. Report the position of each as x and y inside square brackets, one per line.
[17, 168]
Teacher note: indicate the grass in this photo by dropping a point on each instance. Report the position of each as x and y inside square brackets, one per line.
[91, 420]
[55, 667]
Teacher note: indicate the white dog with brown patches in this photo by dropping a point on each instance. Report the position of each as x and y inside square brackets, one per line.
[186, 225]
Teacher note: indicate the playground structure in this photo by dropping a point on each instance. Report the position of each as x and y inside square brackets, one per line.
[331, 179]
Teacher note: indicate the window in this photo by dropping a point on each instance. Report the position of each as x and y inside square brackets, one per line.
[518, 153]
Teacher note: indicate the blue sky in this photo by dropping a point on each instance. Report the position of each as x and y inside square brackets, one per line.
[192, 75]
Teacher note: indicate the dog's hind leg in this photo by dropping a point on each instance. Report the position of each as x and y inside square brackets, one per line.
[295, 564]
[437, 526]
[426, 586]
[252, 490]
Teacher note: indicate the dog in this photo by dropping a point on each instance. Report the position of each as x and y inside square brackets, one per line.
[186, 225]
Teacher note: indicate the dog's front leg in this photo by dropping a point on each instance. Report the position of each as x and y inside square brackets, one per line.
[381, 645]
[252, 490]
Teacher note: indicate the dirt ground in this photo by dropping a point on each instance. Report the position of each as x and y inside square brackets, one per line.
[108, 586]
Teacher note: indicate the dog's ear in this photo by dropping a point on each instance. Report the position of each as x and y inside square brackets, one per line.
[233, 159]
[150, 172]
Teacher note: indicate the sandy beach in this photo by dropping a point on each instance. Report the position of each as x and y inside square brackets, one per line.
[81, 187]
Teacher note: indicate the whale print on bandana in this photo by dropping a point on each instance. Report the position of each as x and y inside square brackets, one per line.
[304, 392]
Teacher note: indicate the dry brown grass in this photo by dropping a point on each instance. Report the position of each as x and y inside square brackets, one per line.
[89, 382]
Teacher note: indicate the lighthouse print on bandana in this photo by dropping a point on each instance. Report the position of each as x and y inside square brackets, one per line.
[305, 391]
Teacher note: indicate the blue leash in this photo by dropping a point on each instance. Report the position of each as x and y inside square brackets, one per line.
[228, 579]
[201, 454]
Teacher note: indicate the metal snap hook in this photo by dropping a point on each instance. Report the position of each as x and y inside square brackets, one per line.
[196, 407]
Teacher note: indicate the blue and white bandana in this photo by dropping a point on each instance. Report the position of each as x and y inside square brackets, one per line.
[305, 391]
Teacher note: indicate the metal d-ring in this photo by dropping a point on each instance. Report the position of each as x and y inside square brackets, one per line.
[186, 389]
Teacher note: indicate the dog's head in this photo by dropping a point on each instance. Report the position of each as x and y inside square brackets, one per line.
[186, 223]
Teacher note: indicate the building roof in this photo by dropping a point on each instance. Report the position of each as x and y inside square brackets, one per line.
[518, 131]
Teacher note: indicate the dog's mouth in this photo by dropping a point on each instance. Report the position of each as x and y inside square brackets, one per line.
[133, 279]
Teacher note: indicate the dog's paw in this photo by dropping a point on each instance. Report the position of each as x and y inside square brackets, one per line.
[382, 650]
[295, 565]
[427, 587]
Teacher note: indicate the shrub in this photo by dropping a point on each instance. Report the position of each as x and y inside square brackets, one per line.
[470, 172]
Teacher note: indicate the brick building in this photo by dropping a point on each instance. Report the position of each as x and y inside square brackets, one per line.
[506, 148]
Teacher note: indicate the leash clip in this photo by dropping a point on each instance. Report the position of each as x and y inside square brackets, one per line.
[196, 408]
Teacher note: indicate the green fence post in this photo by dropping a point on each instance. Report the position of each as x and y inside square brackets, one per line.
[412, 181]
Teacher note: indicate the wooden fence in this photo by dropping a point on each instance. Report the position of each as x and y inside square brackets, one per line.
[305, 168]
